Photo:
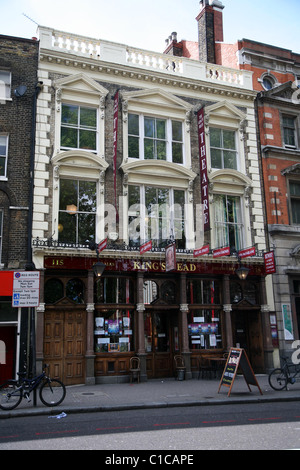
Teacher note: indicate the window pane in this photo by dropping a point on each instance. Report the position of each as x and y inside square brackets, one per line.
[87, 196]
[230, 160]
[133, 124]
[177, 153]
[229, 140]
[87, 140]
[3, 145]
[54, 291]
[216, 158]
[75, 290]
[295, 211]
[86, 227]
[215, 137]
[69, 114]
[133, 147]
[161, 150]
[148, 149]
[149, 127]
[2, 166]
[88, 117]
[68, 194]
[294, 189]
[68, 137]
[177, 131]
[160, 128]
[67, 227]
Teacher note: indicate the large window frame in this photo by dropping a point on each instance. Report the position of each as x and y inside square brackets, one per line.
[229, 227]
[4, 141]
[223, 148]
[75, 200]
[289, 131]
[79, 127]
[5, 85]
[150, 220]
[155, 138]
[294, 200]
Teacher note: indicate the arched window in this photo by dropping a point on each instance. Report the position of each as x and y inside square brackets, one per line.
[54, 291]
[75, 290]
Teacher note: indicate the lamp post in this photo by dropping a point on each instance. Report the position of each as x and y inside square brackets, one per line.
[98, 267]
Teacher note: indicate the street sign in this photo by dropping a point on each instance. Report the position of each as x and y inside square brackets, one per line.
[26, 289]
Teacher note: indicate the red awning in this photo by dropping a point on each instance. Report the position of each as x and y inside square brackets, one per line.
[6, 283]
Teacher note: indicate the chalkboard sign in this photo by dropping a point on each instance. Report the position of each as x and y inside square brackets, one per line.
[238, 358]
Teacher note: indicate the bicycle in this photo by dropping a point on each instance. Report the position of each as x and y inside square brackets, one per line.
[51, 391]
[289, 373]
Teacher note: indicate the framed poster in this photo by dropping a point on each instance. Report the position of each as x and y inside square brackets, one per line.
[287, 321]
[171, 257]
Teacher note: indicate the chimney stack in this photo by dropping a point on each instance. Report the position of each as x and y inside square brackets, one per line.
[210, 29]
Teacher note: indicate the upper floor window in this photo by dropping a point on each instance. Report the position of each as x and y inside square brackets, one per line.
[78, 127]
[5, 84]
[3, 155]
[77, 211]
[156, 214]
[155, 138]
[228, 221]
[223, 148]
[289, 130]
[294, 187]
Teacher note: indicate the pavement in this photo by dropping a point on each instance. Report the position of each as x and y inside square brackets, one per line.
[156, 393]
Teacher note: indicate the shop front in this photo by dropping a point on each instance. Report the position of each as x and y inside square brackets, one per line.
[90, 328]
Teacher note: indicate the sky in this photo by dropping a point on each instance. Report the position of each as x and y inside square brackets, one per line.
[146, 24]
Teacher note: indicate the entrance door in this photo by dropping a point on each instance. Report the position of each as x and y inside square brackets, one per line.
[159, 343]
[247, 334]
[7, 352]
[64, 345]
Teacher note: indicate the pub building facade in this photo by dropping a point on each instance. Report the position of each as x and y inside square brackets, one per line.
[119, 162]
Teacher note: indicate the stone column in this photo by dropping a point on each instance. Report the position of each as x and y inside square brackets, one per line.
[140, 340]
[89, 353]
[227, 308]
[183, 325]
[266, 327]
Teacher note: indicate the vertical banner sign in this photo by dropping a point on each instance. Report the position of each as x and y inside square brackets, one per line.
[171, 257]
[203, 168]
[270, 267]
[115, 131]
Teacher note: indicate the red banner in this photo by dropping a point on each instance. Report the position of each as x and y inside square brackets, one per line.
[269, 258]
[201, 251]
[203, 169]
[146, 247]
[115, 136]
[221, 252]
[247, 252]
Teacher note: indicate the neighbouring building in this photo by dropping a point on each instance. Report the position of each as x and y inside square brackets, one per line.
[18, 80]
[153, 155]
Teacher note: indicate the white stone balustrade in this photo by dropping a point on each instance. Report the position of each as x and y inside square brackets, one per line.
[106, 51]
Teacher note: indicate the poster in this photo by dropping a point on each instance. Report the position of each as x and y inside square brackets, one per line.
[287, 321]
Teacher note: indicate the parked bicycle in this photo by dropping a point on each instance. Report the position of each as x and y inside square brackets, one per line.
[51, 391]
[289, 373]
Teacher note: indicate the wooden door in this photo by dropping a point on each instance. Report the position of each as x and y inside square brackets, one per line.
[64, 345]
[247, 334]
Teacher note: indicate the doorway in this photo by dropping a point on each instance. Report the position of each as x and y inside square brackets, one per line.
[161, 342]
[8, 348]
[64, 345]
[247, 334]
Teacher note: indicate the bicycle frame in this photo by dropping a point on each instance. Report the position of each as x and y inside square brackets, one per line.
[32, 384]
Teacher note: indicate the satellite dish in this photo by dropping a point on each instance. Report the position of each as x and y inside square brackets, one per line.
[20, 91]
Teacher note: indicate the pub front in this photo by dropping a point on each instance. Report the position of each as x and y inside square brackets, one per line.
[88, 328]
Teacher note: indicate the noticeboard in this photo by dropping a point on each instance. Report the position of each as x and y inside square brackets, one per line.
[238, 359]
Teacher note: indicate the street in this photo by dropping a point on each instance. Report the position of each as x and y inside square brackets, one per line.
[261, 426]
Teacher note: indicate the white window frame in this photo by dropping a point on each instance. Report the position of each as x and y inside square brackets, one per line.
[222, 149]
[4, 177]
[168, 138]
[5, 85]
[78, 128]
[295, 130]
[141, 217]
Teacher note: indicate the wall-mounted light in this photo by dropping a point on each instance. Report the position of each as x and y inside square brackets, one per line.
[242, 272]
[98, 267]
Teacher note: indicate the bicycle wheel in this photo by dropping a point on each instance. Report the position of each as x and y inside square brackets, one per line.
[52, 392]
[10, 395]
[278, 379]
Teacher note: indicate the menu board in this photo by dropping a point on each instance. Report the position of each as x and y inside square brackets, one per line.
[238, 358]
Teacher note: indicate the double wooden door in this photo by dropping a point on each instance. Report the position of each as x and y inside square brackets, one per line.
[65, 345]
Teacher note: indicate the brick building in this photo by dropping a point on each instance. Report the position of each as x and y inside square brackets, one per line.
[275, 73]
[18, 79]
